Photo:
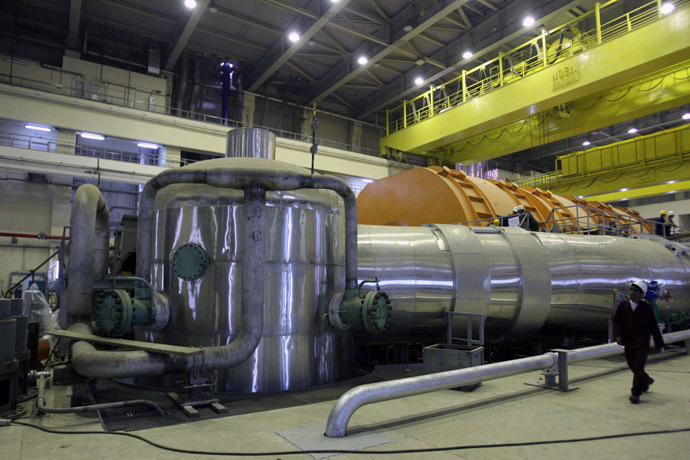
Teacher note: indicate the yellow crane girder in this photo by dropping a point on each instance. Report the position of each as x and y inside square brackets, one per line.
[640, 52]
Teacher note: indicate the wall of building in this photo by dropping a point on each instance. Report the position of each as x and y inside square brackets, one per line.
[32, 208]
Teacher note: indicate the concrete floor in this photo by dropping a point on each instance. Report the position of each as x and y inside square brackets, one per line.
[499, 411]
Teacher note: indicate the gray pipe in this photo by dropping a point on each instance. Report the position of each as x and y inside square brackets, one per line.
[263, 175]
[357, 397]
[248, 339]
[90, 362]
[88, 250]
[41, 403]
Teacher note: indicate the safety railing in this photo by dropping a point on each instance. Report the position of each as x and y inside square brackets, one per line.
[585, 220]
[146, 100]
[22, 141]
[550, 47]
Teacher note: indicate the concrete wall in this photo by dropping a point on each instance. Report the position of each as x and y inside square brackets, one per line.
[91, 81]
[28, 207]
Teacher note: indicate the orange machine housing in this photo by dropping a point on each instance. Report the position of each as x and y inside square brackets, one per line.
[445, 196]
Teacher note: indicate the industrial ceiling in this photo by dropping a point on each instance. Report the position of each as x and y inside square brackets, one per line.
[403, 41]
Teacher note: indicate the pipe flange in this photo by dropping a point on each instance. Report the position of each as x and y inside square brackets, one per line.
[189, 261]
[113, 313]
[376, 311]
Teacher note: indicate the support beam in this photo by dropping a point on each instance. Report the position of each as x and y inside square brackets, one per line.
[186, 34]
[74, 19]
[590, 113]
[349, 68]
[452, 54]
[282, 50]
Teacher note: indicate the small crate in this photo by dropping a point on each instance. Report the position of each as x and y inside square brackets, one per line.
[445, 357]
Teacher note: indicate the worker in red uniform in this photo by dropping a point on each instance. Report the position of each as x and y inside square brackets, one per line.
[633, 324]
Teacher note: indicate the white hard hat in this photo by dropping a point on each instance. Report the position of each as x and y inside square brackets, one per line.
[518, 208]
[640, 284]
[671, 213]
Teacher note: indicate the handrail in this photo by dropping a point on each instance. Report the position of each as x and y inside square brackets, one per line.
[167, 109]
[536, 54]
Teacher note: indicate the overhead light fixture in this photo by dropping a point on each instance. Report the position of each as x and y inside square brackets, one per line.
[623, 190]
[293, 37]
[95, 137]
[367, 181]
[528, 21]
[467, 54]
[420, 61]
[632, 130]
[585, 143]
[671, 182]
[147, 145]
[418, 81]
[362, 60]
[38, 128]
[686, 116]
[335, 1]
[191, 4]
[408, 27]
[667, 8]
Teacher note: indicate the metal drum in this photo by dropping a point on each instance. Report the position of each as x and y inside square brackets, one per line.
[524, 283]
[304, 267]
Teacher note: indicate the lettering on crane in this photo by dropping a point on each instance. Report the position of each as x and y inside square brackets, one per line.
[566, 75]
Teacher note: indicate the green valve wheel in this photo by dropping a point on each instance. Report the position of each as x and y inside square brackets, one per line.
[189, 261]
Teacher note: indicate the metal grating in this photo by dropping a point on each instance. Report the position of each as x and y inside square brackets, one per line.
[142, 418]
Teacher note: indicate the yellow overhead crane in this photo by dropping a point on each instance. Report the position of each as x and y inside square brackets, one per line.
[643, 166]
[566, 64]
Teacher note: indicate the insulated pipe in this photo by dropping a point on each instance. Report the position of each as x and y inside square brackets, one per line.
[90, 362]
[270, 179]
[359, 396]
[41, 403]
[252, 311]
[257, 178]
[88, 252]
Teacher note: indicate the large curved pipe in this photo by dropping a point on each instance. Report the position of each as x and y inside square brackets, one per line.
[262, 175]
[362, 395]
[88, 250]
[254, 181]
[90, 362]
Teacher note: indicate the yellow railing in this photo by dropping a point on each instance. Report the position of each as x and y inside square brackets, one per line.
[538, 53]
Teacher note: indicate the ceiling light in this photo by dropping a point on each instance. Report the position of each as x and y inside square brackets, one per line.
[335, 1]
[38, 128]
[95, 137]
[147, 145]
[420, 61]
[632, 130]
[686, 116]
[623, 190]
[528, 21]
[671, 182]
[367, 181]
[293, 37]
[418, 81]
[362, 60]
[191, 4]
[408, 27]
[586, 143]
[667, 8]
[467, 54]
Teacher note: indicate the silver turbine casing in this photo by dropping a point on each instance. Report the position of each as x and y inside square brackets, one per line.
[523, 282]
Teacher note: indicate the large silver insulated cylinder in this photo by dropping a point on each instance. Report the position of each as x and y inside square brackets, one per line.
[524, 283]
[304, 267]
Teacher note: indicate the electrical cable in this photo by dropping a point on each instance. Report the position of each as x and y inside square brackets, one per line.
[361, 452]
